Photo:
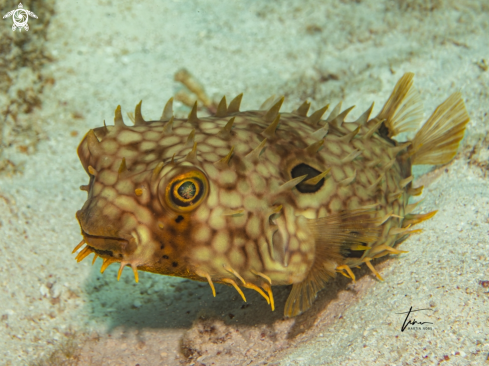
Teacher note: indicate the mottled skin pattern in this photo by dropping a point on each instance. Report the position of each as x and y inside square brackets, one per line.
[238, 225]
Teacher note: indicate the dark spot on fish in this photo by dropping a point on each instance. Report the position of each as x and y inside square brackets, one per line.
[354, 253]
[165, 257]
[349, 253]
[303, 169]
[383, 131]
[174, 264]
[179, 218]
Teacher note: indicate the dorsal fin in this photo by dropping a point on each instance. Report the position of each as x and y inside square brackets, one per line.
[403, 111]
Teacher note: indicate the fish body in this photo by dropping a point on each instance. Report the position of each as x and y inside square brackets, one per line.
[260, 198]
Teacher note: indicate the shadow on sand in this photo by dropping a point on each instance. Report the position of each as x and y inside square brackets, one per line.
[167, 302]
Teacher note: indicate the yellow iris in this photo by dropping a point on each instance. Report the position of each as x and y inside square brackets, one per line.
[186, 191]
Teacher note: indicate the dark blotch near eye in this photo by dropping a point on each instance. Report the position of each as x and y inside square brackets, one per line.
[179, 218]
[303, 169]
[174, 264]
[165, 257]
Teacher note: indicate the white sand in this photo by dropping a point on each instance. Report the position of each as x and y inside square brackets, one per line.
[118, 52]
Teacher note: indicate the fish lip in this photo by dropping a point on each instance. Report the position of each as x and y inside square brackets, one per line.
[105, 246]
[86, 236]
[101, 242]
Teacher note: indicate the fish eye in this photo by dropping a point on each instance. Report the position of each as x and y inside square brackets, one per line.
[186, 191]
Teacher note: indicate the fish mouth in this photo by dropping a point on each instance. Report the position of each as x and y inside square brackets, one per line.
[105, 246]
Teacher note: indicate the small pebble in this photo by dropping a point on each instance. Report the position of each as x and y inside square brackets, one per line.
[137, 304]
[56, 290]
[44, 290]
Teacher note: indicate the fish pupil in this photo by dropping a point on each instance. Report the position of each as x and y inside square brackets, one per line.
[187, 190]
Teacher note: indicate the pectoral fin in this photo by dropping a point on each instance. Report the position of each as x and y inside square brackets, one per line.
[336, 236]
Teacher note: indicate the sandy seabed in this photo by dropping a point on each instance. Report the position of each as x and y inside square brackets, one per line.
[106, 53]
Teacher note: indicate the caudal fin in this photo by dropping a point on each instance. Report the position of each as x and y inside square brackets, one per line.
[438, 140]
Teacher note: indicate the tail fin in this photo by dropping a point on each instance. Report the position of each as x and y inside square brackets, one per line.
[438, 140]
[403, 111]
[336, 236]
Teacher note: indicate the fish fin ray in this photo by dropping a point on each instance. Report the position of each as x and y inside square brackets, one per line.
[334, 235]
[403, 111]
[438, 140]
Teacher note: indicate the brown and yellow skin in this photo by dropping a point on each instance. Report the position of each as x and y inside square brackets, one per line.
[226, 198]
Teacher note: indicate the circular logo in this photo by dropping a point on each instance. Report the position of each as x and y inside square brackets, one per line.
[20, 18]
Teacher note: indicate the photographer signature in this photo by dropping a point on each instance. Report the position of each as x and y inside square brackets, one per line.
[408, 322]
